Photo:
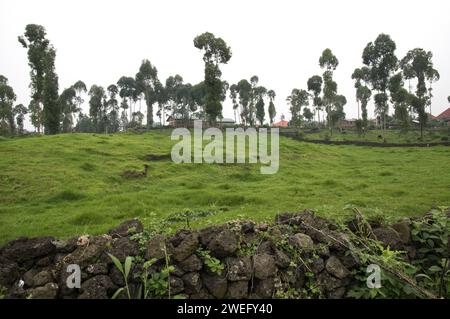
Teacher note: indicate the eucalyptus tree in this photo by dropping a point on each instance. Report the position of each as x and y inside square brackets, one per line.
[363, 93]
[80, 89]
[379, 57]
[147, 80]
[216, 52]
[185, 101]
[315, 86]
[253, 99]
[113, 106]
[329, 62]
[36, 115]
[260, 113]
[44, 81]
[19, 112]
[271, 109]
[307, 114]
[198, 98]
[68, 104]
[7, 99]
[233, 96]
[96, 101]
[337, 111]
[297, 100]
[419, 65]
[225, 88]
[162, 99]
[173, 89]
[358, 76]
[127, 91]
[244, 90]
[401, 99]
[432, 76]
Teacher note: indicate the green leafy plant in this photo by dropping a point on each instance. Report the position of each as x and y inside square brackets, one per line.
[145, 277]
[158, 284]
[399, 276]
[125, 271]
[213, 264]
[432, 234]
[2, 292]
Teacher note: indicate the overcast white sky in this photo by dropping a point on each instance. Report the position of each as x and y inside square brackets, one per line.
[278, 40]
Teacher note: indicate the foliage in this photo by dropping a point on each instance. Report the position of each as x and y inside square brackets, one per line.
[3, 291]
[432, 234]
[271, 110]
[146, 285]
[418, 64]
[379, 56]
[427, 276]
[44, 81]
[315, 86]
[213, 264]
[153, 284]
[7, 98]
[391, 288]
[158, 285]
[216, 52]
[297, 100]
[333, 103]
[125, 271]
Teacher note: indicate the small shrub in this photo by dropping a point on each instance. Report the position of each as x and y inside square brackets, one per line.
[433, 233]
[213, 264]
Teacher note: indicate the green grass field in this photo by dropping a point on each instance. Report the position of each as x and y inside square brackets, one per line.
[71, 184]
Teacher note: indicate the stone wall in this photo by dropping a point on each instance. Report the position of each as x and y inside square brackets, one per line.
[296, 136]
[294, 253]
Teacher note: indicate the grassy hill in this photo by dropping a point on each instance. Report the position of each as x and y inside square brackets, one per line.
[70, 184]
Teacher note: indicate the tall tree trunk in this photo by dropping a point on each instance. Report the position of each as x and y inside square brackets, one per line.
[357, 101]
[131, 111]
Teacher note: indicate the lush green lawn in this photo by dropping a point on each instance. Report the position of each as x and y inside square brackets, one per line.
[391, 136]
[70, 184]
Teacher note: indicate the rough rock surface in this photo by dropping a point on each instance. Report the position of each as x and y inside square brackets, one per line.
[258, 261]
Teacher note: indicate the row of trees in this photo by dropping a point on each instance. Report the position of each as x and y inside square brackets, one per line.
[11, 117]
[382, 77]
[323, 92]
[248, 101]
[119, 106]
[385, 74]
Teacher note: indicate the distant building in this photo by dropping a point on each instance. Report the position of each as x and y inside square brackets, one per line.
[347, 124]
[444, 116]
[281, 123]
[179, 121]
[226, 121]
